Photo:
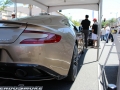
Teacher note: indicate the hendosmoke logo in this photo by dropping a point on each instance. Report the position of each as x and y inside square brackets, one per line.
[21, 87]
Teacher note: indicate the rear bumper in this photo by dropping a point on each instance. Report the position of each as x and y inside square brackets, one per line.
[27, 72]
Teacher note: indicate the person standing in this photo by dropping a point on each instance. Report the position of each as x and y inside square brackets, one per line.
[111, 35]
[103, 34]
[107, 35]
[94, 33]
[13, 15]
[85, 25]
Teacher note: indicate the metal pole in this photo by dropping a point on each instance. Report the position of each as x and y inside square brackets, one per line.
[99, 26]
[15, 8]
[30, 9]
[106, 60]
[48, 10]
[103, 48]
[116, 18]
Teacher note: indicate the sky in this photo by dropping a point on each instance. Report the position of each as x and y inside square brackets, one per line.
[111, 9]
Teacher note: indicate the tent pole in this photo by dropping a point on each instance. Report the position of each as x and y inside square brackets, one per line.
[99, 26]
[15, 8]
[48, 10]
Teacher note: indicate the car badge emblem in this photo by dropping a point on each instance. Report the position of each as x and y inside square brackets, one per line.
[4, 40]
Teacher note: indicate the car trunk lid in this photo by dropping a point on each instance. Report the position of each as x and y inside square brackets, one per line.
[10, 31]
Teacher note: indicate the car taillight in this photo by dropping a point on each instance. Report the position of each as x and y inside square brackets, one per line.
[51, 38]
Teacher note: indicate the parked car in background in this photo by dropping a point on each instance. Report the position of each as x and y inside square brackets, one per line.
[38, 48]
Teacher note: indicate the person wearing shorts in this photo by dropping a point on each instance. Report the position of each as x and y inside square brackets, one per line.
[94, 33]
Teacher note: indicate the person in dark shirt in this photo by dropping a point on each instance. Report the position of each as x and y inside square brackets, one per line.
[85, 25]
[94, 32]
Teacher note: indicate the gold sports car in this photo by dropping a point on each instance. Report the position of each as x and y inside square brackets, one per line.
[38, 48]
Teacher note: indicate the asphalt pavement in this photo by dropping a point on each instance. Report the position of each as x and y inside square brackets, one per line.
[87, 78]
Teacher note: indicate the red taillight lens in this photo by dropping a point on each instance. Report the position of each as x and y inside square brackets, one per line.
[51, 38]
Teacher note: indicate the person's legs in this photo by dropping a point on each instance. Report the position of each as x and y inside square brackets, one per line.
[86, 38]
[94, 39]
[111, 37]
[93, 43]
[104, 37]
[96, 47]
[107, 38]
[101, 37]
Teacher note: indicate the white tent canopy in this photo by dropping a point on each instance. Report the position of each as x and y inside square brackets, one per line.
[53, 5]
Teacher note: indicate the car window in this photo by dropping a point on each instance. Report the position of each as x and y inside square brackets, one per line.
[71, 24]
[65, 22]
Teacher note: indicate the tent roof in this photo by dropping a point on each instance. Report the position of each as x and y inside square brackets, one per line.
[53, 5]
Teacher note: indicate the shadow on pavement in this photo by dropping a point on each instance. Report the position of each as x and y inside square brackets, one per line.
[111, 74]
[90, 62]
[81, 60]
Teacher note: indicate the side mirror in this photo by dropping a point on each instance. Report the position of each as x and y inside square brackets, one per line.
[76, 29]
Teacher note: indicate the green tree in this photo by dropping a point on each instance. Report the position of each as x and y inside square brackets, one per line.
[105, 23]
[109, 22]
[4, 4]
[70, 18]
[112, 21]
[75, 22]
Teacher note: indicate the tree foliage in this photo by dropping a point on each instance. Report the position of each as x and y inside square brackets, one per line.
[75, 22]
[4, 4]
[109, 22]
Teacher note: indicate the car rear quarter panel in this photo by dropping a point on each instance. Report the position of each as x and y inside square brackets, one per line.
[56, 56]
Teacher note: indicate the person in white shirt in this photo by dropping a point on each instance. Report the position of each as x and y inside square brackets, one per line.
[108, 34]
[107, 29]
[103, 32]
[13, 15]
